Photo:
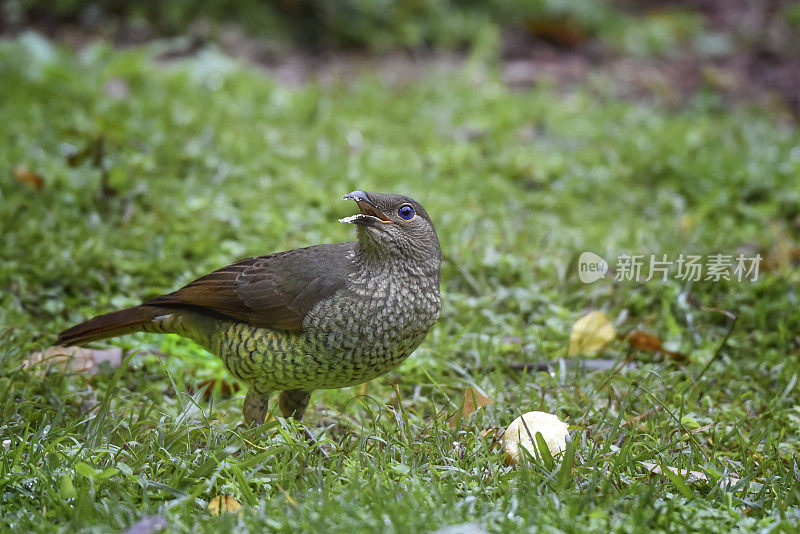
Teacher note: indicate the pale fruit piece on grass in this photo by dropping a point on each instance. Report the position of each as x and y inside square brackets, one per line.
[553, 430]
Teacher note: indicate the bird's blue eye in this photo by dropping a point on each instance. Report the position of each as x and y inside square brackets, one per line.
[406, 212]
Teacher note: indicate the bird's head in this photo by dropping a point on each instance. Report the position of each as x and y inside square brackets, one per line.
[394, 225]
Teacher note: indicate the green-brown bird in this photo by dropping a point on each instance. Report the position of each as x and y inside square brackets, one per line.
[325, 316]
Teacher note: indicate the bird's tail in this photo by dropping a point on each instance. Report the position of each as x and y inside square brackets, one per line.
[112, 324]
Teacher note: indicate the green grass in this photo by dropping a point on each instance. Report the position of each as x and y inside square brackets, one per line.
[198, 163]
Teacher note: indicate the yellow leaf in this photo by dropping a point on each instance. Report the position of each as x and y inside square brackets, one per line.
[591, 333]
[222, 504]
[473, 399]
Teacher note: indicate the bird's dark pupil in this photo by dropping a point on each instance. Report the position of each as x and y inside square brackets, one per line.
[406, 212]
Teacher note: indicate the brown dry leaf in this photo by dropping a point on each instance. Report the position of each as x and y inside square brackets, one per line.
[473, 399]
[224, 504]
[644, 341]
[76, 359]
[226, 389]
[591, 333]
[23, 174]
[649, 342]
[561, 32]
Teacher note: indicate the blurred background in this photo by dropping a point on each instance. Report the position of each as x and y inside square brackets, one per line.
[672, 48]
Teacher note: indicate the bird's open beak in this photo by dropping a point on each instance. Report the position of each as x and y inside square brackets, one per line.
[369, 215]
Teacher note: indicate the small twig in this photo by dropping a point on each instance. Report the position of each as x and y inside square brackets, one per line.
[528, 366]
[635, 419]
[587, 364]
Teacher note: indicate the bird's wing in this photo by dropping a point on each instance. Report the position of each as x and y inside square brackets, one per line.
[275, 291]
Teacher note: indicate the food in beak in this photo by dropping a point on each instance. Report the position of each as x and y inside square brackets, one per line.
[369, 215]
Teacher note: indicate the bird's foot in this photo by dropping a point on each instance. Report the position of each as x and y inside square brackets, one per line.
[293, 403]
[255, 407]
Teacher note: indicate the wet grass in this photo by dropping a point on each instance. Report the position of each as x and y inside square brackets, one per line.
[123, 178]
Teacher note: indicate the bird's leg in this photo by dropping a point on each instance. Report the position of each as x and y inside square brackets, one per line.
[256, 406]
[293, 403]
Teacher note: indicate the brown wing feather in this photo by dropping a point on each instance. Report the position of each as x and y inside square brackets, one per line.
[275, 291]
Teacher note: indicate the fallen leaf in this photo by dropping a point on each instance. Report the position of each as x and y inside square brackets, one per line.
[561, 32]
[644, 341]
[473, 399]
[224, 504]
[694, 477]
[691, 477]
[226, 389]
[23, 174]
[591, 333]
[649, 342]
[76, 359]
